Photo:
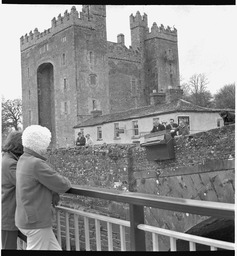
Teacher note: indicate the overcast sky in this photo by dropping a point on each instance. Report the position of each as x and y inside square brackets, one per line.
[206, 37]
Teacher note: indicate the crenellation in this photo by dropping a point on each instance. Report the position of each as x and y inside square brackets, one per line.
[117, 50]
[62, 22]
[138, 20]
[167, 33]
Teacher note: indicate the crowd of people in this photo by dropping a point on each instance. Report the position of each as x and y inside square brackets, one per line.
[175, 129]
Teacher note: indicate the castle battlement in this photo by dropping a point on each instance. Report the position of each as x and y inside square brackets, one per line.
[68, 19]
[167, 33]
[118, 51]
[138, 20]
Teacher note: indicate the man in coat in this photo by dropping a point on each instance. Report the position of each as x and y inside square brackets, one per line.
[228, 118]
[157, 126]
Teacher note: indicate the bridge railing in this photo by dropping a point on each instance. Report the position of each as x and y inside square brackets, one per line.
[136, 225]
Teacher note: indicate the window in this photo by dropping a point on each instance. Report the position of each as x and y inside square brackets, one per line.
[92, 79]
[133, 86]
[44, 48]
[219, 122]
[135, 128]
[116, 130]
[90, 57]
[28, 72]
[64, 59]
[94, 104]
[30, 117]
[29, 94]
[65, 84]
[99, 133]
[185, 118]
[65, 108]
[64, 39]
[82, 131]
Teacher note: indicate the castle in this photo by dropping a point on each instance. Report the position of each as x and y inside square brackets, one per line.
[70, 71]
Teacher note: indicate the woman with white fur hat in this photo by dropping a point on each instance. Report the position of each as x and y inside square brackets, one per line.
[37, 188]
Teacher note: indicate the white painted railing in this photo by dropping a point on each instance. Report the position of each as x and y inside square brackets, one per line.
[97, 218]
[193, 239]
[173, 235]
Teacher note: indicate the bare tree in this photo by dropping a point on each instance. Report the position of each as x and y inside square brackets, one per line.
[225, 97]
[195, 90]
[11, 114]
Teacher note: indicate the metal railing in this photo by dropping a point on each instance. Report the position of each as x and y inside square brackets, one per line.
[136, 225]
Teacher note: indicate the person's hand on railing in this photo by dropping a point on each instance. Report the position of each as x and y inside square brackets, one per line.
[55, 199]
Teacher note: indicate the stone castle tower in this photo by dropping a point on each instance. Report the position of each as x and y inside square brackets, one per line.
[71, 71]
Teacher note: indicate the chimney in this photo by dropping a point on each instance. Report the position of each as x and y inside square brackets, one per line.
[120, 39]
[173, 94]
[96, 113]
[157, 98]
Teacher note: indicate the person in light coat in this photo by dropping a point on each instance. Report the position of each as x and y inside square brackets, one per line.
[37, 188]
[11, 151]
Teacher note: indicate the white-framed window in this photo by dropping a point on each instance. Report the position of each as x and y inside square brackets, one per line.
[135, 128]
[218, 122]
[186, 119]
[99, 133]
[82, 131]
[116, 130]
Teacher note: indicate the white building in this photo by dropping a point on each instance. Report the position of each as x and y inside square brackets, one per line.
[131, 126]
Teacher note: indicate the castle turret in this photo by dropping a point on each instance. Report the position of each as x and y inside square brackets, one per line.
[138, 26]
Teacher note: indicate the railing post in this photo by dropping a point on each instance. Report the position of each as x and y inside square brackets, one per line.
[137, 236]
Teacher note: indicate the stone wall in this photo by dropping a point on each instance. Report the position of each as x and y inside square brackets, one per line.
[203, 169]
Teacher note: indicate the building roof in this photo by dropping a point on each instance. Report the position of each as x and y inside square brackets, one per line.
[178, 105]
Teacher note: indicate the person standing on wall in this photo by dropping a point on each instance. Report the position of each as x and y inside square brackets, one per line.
[81, 140]
[157, 126]
[12, 150]
[172, 126]
[37, 188]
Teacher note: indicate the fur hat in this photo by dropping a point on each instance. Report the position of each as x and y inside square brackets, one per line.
[36, 138]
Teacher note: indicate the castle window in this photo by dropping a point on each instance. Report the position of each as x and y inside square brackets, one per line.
[29, 94]
[90, 57]
[116, 130]
[65, 84]
[28, 72]
[94, 104]
[64, 59]
[133, 86]
[135, 128]
[64, 39]
[99, 133]
[47, 47]
[65, 107]
[92, 79]
[30, 117]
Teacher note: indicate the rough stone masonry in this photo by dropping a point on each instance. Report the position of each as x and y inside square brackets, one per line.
[203, 169]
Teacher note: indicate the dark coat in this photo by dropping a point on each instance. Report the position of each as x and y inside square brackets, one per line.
[9, 161]
[174, 127]
[158, 128]
[229, 118]
[36, 181]
[81, 141]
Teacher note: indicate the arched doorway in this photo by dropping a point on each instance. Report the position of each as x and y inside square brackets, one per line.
[46, 107]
